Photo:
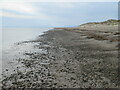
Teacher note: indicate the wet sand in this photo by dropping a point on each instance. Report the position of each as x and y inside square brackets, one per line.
[66, 58]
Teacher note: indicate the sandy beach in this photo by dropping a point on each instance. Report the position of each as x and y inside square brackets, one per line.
[81, 57]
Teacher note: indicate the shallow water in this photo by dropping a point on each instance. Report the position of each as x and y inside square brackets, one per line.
[9, 51]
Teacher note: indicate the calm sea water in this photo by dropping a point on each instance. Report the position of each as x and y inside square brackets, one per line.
[14, 35]
[10, 36]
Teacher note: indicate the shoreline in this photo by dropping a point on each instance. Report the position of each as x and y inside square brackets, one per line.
[70, 58]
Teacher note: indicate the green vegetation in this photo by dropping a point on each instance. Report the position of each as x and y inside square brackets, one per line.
[108, 22]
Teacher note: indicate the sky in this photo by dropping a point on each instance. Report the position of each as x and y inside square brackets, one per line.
[55, 14]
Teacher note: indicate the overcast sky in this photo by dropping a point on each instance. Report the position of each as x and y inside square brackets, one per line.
[51, 14]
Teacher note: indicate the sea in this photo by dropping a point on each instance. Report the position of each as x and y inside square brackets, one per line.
[10, 36]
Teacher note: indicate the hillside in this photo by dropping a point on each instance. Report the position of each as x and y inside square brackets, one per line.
[108, 22]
